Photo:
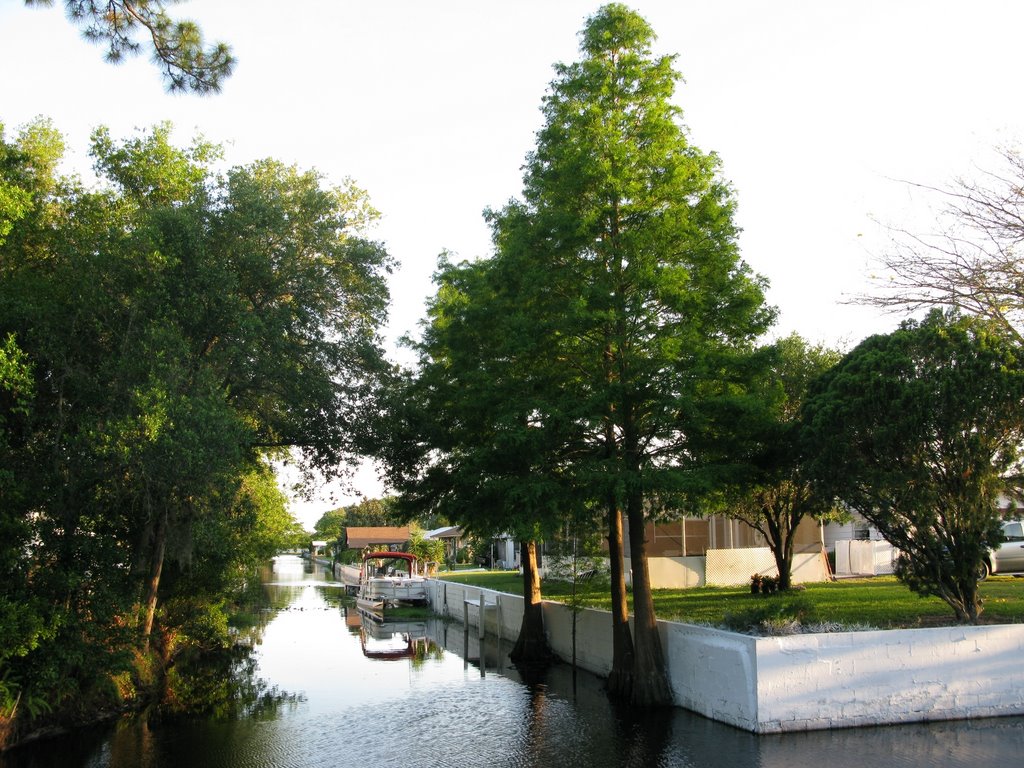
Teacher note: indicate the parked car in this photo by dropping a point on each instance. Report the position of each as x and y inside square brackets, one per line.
[1009, 556]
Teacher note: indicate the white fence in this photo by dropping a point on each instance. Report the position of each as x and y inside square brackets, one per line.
[731, 567]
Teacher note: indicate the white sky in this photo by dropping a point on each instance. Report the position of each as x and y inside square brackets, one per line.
[816, 109]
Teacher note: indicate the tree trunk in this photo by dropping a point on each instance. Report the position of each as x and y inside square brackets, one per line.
[650, 684]
[531, 648]
[782, 528]
[620, 678]
[153, 582]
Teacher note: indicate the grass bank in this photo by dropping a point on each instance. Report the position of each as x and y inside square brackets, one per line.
[881, 602]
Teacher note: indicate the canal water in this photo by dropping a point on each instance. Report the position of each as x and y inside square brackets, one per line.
[322, 688]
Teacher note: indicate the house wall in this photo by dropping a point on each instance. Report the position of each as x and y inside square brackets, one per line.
[672, 572]
[856, 529]
[799, 682]
[690, 537]
[728, 567]
[734, 567]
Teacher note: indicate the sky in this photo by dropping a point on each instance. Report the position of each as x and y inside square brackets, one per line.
[821, 112]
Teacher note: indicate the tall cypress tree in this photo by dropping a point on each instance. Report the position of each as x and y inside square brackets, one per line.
[637, 289]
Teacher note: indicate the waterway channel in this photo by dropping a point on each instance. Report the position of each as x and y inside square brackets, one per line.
[327, 690]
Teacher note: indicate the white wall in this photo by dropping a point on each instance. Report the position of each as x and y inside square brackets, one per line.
[712, 672]
[729, 567]
[447, 598]
[865, 678]
[799, 682]
[672, 572]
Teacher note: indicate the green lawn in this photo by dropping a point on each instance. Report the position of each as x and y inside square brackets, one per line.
[880, 602]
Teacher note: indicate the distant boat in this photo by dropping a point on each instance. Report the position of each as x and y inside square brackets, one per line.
[389, 579]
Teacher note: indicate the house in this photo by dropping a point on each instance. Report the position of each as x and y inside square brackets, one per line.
[451, 535]
[720, 550]
[692, 552]
[504, 553]
[859, 529]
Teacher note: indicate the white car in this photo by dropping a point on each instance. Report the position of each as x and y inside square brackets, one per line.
[1009, 556]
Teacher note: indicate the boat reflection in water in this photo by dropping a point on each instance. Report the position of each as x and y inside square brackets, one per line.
[394, 640]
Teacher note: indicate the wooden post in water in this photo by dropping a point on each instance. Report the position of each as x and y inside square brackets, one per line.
[465, 632]
[480, 641]
[497, 618]
[483, 606]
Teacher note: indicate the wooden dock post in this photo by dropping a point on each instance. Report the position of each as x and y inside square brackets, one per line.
[483, 606]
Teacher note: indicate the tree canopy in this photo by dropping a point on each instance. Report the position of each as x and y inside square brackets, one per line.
[166, 332]
[920, 431]
[572, 370]
[177, 46]
[776, 494]
[637, 282]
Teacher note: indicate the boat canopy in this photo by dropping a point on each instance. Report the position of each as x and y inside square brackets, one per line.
[407, 556]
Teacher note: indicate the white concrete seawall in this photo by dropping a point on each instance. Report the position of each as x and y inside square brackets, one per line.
[797, 682]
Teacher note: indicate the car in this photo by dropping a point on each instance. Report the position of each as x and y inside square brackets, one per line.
[1008, 557]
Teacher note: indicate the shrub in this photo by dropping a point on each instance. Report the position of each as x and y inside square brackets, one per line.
[774, 617]
[755, 584]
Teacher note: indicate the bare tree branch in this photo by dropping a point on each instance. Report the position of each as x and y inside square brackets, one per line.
[971, 261]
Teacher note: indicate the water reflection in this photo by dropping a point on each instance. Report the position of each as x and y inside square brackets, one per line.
[338, 692]
[394, 640]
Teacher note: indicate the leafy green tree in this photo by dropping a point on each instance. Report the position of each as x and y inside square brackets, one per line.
[180, 325]
[778, 495]
[23, 623]
[331, 525]
[920, 431]
[238, 531]
[426, 550]
[37, 603]
[372, 512]
[178, 47]
[627, 237]
[465, 440]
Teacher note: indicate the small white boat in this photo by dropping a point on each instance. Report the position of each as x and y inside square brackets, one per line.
[388, 579]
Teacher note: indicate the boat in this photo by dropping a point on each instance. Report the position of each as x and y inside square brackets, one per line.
[387, 580]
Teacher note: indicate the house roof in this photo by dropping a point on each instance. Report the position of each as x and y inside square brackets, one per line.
[366, 536]
[448, 532]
